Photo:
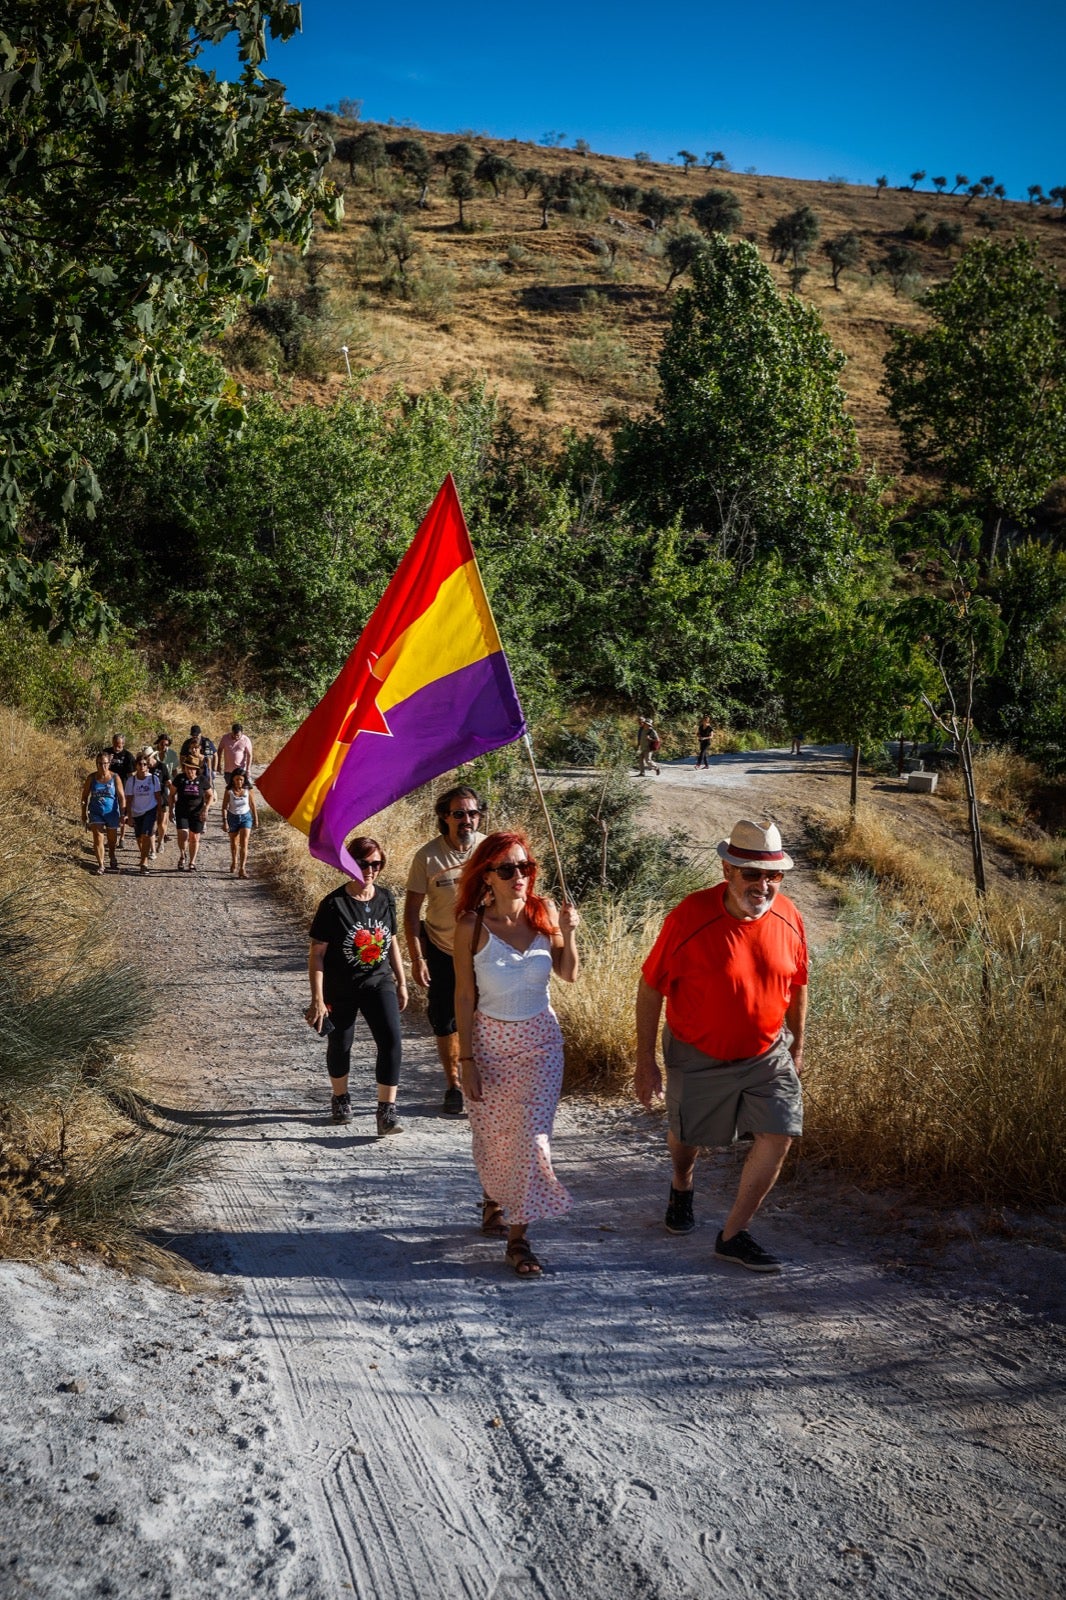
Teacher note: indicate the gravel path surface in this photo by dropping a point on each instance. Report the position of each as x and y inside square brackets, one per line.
[359, 1398]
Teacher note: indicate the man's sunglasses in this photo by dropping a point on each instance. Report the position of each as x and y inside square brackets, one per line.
[507, 869]
[459, 815]
[372, 866]
[751, 875]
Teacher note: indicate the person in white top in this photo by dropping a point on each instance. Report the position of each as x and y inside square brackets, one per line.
[431, 883]
[239, 817]
[144, 804]
[508, 943]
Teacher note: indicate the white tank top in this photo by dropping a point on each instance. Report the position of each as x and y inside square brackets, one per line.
[512, 985]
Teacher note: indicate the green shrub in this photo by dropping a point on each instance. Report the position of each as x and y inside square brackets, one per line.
[87, 683]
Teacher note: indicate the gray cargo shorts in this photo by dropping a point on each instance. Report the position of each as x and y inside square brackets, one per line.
[712, 1102]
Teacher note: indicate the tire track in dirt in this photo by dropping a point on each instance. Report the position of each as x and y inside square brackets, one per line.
[645, 1422]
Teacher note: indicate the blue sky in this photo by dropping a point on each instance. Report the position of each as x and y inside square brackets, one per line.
[807, 91]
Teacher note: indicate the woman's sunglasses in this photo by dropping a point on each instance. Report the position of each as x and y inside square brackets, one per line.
[372, 866]
[507, 869]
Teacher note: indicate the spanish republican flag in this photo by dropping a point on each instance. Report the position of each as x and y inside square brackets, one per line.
[426, 687]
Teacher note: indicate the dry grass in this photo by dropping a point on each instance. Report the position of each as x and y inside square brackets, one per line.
[910, 879]
[597, 1012]
[937, 1057]
[213, 709]
[78, 1166]
[1014, 796]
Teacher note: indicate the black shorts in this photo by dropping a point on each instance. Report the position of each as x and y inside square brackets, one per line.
[440, 1003]
[144, 825]
[190, 821]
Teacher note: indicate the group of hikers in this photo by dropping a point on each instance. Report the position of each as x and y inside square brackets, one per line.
[730, 964]
[147, 791]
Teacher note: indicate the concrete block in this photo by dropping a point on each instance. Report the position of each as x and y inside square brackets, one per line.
[922, 782]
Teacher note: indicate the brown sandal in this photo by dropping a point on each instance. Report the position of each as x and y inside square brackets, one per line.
[492, 1218]
[521, 1260]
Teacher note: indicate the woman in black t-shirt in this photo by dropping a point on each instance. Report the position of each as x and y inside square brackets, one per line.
[191, 795]
[355, 966]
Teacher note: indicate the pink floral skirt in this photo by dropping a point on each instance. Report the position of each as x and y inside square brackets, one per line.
[521, 1066]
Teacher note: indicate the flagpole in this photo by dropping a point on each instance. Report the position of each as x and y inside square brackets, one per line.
[527, 741]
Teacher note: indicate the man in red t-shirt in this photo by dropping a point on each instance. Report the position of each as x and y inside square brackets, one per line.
[731, 964]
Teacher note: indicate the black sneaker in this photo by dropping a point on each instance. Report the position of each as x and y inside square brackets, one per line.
[341, 1107]
[679, 1218]
[744, 1252]
[387, 1122]
[453, 1101]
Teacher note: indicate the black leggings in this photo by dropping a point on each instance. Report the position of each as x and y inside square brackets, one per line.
[381, 1010]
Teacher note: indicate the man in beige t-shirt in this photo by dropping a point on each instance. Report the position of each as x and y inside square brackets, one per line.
[432, 882]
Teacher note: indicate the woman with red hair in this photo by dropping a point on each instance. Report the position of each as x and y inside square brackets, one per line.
[508, 942]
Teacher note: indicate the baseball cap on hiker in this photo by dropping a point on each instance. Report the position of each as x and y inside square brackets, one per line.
[755, 844]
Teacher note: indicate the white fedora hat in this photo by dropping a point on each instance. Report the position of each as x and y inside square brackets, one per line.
[755, 844]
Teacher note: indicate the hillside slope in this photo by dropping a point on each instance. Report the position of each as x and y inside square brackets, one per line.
[565, 322]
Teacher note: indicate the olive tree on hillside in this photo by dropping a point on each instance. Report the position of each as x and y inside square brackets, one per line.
[793, 235]
[680, 250]
[496, 171]
[140, 201]
[367, 151]
[462, 188]
[658, 207]
[843, 250]
[979, 395]
[750, 441]
[718, 211]
[415, 162]
[549, 189]
[458, 157]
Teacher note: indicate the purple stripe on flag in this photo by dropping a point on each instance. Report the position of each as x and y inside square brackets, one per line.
[451, 720]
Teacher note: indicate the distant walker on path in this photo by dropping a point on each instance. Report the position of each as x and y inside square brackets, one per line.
[648, 747]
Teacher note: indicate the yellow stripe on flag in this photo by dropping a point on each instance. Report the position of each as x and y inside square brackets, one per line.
[452, 633]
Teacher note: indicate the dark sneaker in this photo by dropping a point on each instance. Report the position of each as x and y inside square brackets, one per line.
[679, 1218]
[341, 1107]
[744, 1252]
[453, 1101]
[387, 1122]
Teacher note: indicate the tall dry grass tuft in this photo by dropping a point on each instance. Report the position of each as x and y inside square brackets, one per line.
[937, 1058]
[924, 884]
[1021, 809]
[597, 1012]
[112, 1196]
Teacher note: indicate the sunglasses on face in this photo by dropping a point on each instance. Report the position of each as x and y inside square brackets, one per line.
[507, 869]
[372, 866]
[750, 875]
[459, 815]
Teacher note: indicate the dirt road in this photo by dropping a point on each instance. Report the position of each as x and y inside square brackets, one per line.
[376, 1407]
